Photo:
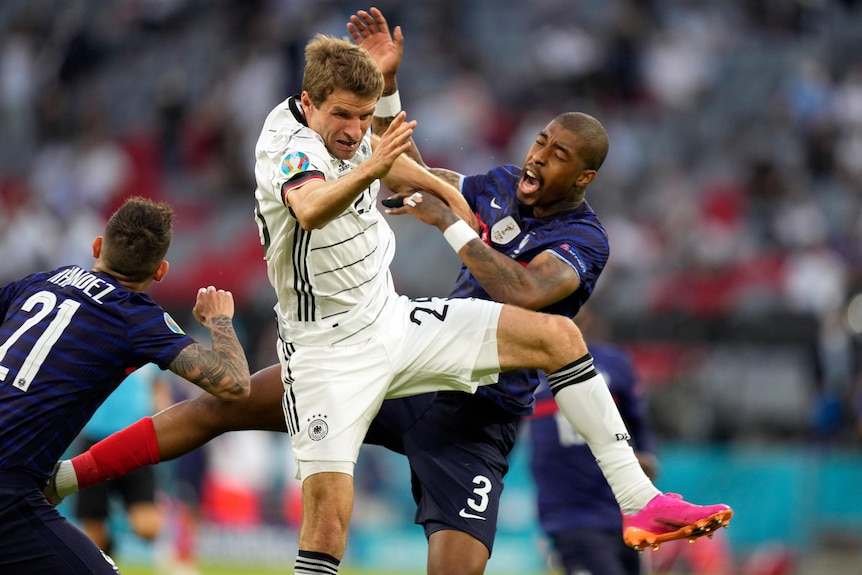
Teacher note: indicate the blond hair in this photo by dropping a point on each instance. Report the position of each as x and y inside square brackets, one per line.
[337, 64]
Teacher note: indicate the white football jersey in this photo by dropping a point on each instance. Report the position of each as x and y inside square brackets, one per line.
[333, 282]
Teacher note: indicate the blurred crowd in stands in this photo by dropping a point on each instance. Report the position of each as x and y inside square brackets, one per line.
[732, 193]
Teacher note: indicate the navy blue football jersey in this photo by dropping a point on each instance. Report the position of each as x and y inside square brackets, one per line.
[576, 237]
[68, 337]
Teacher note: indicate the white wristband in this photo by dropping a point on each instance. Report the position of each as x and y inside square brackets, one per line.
[459, 235]
[388, 106]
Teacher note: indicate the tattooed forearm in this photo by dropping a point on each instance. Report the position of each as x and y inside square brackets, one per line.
[546, 280]
[448, 176]
[501, 281]
[223, 370]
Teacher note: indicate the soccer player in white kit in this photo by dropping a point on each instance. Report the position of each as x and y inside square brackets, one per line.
[347, 339]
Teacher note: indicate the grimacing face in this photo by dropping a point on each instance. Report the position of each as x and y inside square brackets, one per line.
[341, 120]
[551, 170]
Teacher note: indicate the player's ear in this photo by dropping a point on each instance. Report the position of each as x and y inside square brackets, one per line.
[305, 100]
[586, 178]
[97, 247]
[162, 271]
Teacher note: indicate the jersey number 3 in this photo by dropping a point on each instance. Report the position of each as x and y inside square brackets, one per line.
[47, 303]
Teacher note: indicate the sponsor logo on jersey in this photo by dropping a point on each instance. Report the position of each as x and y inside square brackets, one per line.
[495, 205]
[317, 427]
[505, 230]
[172, 324]
[467, 515]
[294, 162]
[578, 259]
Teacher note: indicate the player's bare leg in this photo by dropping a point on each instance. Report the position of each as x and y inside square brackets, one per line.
[171, 433]
[327, 503]
[453, 552]
[189, 424]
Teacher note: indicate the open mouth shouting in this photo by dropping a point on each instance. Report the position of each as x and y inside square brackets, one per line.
[530, 182]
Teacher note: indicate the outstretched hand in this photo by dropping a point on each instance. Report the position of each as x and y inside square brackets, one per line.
[395, 141]
[371, 31]
[425, 207]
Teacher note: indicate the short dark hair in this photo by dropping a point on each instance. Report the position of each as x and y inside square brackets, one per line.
[337, 64]
[137, 237]
[592, 133]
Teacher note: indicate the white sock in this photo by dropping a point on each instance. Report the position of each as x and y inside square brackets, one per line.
[66, 480]
[589, 407]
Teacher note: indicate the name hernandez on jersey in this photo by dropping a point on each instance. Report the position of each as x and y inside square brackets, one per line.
[84, 281]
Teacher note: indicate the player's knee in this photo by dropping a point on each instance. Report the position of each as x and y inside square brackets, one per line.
[565, 341]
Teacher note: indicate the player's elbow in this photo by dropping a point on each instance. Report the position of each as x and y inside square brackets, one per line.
[311, 219]
[527, 298]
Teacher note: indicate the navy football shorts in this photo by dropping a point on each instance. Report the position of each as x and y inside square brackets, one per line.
[457, 445]
[35, 539]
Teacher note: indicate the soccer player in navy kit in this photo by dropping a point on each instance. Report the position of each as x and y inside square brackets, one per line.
[68, 337]
[576, 507]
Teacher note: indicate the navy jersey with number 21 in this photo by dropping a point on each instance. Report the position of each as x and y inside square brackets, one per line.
[68, 337]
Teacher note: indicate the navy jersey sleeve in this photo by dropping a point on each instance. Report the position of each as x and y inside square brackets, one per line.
[585, 247]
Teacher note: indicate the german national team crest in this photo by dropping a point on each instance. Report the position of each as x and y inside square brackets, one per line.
[318, 428]
[505, 230]
[294, 162]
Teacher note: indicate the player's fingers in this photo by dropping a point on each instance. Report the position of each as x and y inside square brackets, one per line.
[413, 199]
[351, 29]
[396, 123]
[367, 20]
[379, 20]
[357, 24]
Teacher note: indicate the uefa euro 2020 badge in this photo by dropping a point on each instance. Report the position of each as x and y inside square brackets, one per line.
[294, 162]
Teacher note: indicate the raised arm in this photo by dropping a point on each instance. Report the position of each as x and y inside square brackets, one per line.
[407, 176]
[544, 281]
[223, 369]
[371, 31]
[317, 202]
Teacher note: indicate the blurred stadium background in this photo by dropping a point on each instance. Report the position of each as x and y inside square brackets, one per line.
[732, 194]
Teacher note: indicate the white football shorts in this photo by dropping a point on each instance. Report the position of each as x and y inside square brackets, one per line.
[416, 346]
